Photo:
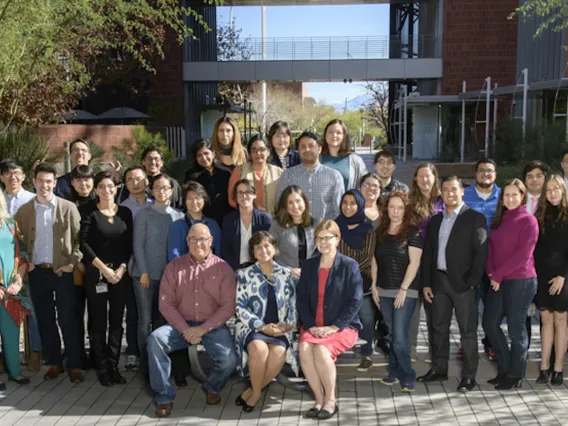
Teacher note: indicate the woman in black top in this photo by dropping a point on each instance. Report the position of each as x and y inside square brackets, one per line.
[214, 177]
[551, 263]
[394, 288]
[106, 243]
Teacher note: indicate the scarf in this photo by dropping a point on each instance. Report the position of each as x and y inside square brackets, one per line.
[354, 238]
[226, 149]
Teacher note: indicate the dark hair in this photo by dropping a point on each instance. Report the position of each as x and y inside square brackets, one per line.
[132, 168]
[162, 176]
[252, 140]
[277, 126]
[500, 207]
[384, 154]
[451, 178]
[485, 161]
[83, 171]
[283, 217]
[243, 182]
[257, 238]
[79, 140]
[307, 134]
[536, 164]
[9, 164]
[45, 168]
[100, 176]
[196, 187]
[383, 228]
[152, 148]
[345, 148]
[196, 147]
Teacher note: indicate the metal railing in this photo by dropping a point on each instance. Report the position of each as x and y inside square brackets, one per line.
[338, 48]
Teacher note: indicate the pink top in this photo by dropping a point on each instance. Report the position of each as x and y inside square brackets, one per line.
[191, 291]
[511, 246]
[322, 280]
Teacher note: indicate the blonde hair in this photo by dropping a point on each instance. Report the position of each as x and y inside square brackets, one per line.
[238, 156]
[328, 225]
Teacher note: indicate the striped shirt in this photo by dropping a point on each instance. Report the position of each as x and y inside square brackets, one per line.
[363, 257]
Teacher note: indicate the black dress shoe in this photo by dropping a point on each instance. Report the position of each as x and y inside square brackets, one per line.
[248, 408]
[2, 386]
[509, 384]
[543, 377]
[324, 414]
[180, 382]
[497, 379]
[466, 385]
[432, 376]
[239, 402]
[557, 378]
[312, 413]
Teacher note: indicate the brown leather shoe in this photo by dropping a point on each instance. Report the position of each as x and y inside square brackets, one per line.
[53, 372]
[34, 362]
[213, 398]
[164, 410]
[76, 375]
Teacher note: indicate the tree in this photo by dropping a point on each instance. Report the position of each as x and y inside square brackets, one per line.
[52, 51]
[281, 104]
[377, 109]
[552, 14]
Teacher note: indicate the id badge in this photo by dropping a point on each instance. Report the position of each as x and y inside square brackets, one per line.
[101, 288]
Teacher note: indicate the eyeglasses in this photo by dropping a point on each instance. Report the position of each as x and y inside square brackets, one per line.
[258, 150]
[326, 239]
[553, 190]
[162, 188]
[370, 186]
[135, 180]
[16, 173]
[384, 162]
[153, 159]
[244, 193]
[193, 199]
[110, 187]
[198, 240]
[486, 171]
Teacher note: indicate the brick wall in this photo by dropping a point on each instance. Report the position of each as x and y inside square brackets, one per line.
[478, 41]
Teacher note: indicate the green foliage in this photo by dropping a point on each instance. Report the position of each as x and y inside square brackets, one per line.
[130, 153]
[551, 14]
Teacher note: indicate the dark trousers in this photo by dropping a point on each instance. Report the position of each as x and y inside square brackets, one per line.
[446, 299]
[80, 307]
[512, 301]
[106, 311]
[51, 292]
[131, 320]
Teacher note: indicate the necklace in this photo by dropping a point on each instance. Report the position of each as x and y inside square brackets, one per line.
[109, 213]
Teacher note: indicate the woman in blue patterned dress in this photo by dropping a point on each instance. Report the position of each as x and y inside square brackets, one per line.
[266, 314]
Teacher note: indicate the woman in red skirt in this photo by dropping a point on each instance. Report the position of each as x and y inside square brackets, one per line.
[329, 296]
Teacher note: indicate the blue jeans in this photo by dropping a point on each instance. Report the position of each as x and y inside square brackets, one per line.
[147, 307]
[166, 339]
[398, 322]
[368, 317]
[512, 301]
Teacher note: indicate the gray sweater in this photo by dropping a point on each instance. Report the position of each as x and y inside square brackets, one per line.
[151, 239]
[288, 244]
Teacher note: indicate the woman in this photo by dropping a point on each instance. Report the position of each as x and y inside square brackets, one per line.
[226, 142]
[106, 243]
[214, 177]
[266, 315]
[14, 304]
[370, 187]
[293, 229]
[195, 198]
[280, 138]
[358, 242]
[151, 257]
[264, 176]
[336, 153]
[331, 329]
[239, 226]
[394, 287]
[426, 201]
[82, 184]
[551, 264]
[510, 267]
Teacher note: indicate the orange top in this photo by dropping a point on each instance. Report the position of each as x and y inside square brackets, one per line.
[258, 182]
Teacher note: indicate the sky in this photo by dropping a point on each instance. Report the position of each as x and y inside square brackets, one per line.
[314, 21]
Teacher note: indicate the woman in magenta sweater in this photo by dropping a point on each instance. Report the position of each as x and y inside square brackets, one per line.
[510, 267]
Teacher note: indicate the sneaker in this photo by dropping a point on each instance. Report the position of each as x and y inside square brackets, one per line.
[408, 387]
[490, 354]
[132, 363]
[413, 354]
[365, 364]
[389, 381]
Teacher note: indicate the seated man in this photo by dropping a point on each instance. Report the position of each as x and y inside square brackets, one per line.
[197, 297]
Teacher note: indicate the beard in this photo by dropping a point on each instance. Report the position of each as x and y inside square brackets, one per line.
[484, 185]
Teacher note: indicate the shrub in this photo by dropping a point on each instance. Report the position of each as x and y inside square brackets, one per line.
[130, 153]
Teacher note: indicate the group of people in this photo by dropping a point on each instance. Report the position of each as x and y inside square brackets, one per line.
[307, 249]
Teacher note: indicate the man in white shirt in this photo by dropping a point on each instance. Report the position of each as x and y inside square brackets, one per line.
[534, 176]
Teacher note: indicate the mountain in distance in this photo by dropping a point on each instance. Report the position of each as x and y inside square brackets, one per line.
[353, 104]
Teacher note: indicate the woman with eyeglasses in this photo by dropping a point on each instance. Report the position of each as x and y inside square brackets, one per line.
[214, 177]
[106, 243]
[239, 226]
[328, 299]
[264, 176]
[151, 257]
[371, 189]
[226, 143]
[281, 153]
[336, 153]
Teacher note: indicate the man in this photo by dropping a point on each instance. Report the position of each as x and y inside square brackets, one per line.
[385, 165]
[197, 298]
[564, 165]
[453, 262]
[50, 227]
[136, 183]
[80, 153]
[322, 185]
[12, 176]
[534, 176]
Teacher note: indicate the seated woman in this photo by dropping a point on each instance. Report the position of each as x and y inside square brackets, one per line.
[293, 229]
[239, 226]
[332, 328]
[266, 314]
[358, 243]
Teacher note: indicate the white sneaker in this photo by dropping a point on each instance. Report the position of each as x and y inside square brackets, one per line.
[132, 363]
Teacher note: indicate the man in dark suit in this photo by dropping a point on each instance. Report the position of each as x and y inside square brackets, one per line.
[453, 262]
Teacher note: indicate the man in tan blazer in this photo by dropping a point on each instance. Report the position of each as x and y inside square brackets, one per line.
[50, 227]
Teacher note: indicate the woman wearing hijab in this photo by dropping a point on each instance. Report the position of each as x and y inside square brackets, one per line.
[358, 242]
